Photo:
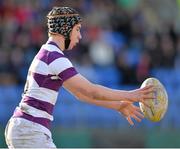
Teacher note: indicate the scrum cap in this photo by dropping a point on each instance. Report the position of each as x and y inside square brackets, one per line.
[61, 20]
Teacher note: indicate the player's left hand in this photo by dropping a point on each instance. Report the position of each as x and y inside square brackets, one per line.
[129, 111]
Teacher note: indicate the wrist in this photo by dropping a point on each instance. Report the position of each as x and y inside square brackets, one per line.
[127, 95]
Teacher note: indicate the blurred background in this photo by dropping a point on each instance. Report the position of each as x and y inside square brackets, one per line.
[124, 42]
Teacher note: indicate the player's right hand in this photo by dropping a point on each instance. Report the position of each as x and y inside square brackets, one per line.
[142, 94]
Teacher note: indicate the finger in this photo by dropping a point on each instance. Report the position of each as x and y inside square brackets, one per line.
[136, 118]
[148, 96]
[139, 114]
[137, 111]
[144, 103]
[147, 87]
[130, 120]
[150, 89]
[137, 108]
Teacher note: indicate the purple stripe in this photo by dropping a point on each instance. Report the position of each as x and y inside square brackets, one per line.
[43, 55]
[53, 43]
[38, 104]
[46, 81]
[42, 121]
[54, 55]
[48, 56]
[68, 73]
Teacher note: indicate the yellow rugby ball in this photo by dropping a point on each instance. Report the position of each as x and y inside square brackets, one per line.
[158, 106]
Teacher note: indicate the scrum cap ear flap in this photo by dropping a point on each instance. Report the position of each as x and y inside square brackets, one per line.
[67, 43]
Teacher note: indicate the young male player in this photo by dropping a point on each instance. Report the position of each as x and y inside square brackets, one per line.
[29, 127]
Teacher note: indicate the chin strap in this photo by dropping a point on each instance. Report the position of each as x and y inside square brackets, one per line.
[67, 42]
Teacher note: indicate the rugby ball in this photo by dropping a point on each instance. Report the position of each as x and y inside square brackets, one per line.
[158, 106]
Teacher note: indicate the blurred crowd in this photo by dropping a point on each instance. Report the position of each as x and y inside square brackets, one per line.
[132, 36]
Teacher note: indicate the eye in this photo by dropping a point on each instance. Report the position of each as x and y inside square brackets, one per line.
[78, 29]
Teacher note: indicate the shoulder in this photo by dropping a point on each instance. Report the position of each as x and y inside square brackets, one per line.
[49, 53]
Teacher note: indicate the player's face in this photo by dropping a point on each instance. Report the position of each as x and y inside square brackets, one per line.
[75, 36]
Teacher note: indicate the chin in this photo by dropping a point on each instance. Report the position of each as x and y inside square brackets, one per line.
[71, 47]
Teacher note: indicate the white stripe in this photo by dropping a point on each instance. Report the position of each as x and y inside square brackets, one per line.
[39, 66]
[34, 112]
[59, 65]
[41, 93]
[50, 47]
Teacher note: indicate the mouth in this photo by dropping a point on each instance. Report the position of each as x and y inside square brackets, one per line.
[76, 43]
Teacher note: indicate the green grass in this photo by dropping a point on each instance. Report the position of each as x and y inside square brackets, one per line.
[2, 139]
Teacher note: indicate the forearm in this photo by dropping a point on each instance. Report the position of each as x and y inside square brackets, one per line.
[107, 94]
[115, 105]
[100, 93]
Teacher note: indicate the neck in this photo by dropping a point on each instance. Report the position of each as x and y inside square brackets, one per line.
[59, 40]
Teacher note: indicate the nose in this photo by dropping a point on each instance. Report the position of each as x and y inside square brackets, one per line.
[80, 36]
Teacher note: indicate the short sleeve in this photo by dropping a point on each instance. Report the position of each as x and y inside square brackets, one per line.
[63, 68]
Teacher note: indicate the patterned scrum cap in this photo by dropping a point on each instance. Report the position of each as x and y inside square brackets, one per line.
[61, 20]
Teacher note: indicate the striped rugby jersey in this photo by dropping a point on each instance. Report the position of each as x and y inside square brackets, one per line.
[48, 70]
